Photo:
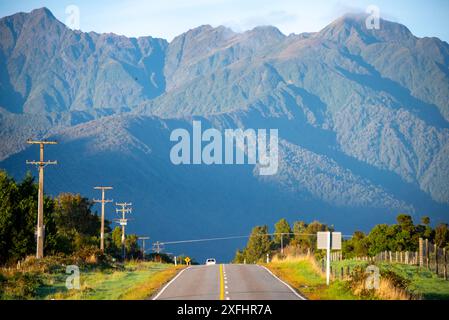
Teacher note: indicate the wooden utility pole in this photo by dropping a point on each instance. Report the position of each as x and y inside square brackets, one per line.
[102, 201]
[158, 247]
[41, 164]
[282, 243]
[123, 222]
[143, 245]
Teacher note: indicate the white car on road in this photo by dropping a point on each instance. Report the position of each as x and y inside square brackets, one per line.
[210, 261]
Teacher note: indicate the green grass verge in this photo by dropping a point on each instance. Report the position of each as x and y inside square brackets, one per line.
[420, 281]
[303, 276]
[136, 281]
[133, 281]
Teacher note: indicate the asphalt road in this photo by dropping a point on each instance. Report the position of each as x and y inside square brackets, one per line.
[226, 282]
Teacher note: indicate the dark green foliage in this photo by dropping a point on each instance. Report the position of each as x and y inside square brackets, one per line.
[239, 256]
[114, 246]
[402, 236]
[71, 227]
[18, 216]
[303, 233]
[259, 244]
[77, 225]
[442, 235]
[282, 227]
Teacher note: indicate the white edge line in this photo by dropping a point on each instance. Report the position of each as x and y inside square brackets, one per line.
[169, 283]
[286, 284]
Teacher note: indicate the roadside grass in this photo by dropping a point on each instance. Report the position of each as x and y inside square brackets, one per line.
[134, 280]
[304, 275]
[137, 281]
[421, 282]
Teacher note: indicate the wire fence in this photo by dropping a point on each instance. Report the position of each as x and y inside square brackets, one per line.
[429, 256]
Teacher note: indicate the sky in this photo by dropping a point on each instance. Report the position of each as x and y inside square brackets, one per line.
[169, 18]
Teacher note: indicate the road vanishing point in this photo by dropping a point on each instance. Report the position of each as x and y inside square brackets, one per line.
[227, 282]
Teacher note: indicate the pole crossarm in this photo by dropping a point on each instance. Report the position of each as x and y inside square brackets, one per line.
[101, 200]
[41, 163]
[29, 141]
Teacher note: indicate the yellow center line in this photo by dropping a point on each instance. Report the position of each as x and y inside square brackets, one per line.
[221, 283]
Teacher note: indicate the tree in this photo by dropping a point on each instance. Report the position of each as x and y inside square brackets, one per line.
[406, 236]
[425, 230]
[259, 244]
[131, 246]
[442, 235]
[77, 225]
[425, 220]
[18, 217]
[74, 212]
[282, 230]
[299, 237]
[312, 229]
[117, 238]
[239, 256]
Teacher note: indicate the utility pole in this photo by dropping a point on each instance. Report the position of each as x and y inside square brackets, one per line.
[158, 247]
[282, 243]
[41, 164]
[123, 222]
[143, 245]
[103, 201]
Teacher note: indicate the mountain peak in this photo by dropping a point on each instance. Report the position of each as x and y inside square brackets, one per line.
[267, 31]
[42, 12]
[353, 25]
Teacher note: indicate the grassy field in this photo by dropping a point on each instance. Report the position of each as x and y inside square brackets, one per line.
[420, 282]
[132, 281]
[303, 275]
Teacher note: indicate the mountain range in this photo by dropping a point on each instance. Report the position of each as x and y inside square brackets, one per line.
[362, 115]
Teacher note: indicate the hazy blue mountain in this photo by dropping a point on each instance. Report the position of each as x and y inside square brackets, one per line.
[362, 118]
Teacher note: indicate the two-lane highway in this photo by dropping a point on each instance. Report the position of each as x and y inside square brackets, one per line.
[227, 282]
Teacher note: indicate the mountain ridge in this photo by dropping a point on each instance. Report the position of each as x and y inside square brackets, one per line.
[362, 118]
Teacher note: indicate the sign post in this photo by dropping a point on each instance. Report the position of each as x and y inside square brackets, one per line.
[328, 240]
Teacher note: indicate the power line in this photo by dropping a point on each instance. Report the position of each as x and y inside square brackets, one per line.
[240, 237]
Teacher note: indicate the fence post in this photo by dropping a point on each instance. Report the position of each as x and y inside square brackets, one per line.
[421, 253]
[391, 258]
[427, 253]
[445, 263]
[436, 258]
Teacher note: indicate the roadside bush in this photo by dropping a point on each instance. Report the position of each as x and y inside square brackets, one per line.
[19, 286]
